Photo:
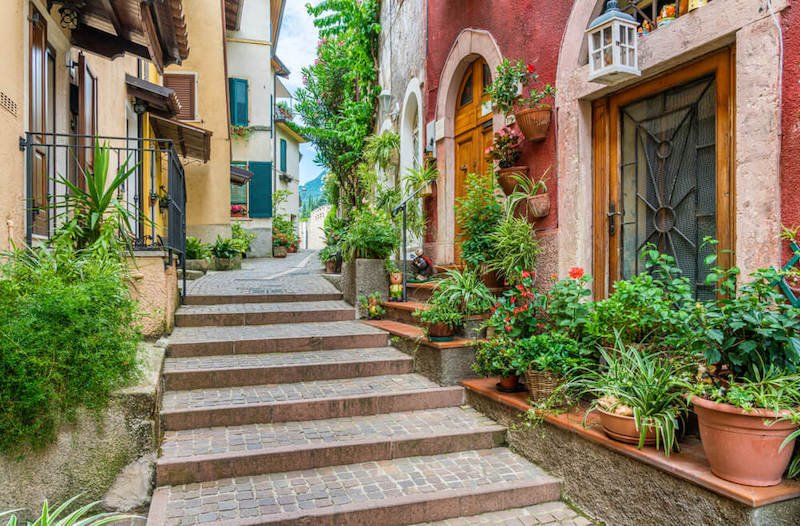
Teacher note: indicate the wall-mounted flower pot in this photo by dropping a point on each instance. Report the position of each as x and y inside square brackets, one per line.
[744, 447]
[538, 206]
[534, 122]
[623, 429]
[426, 190]
[234, 263]
[505, 178]
[279, 252]
[440, 332]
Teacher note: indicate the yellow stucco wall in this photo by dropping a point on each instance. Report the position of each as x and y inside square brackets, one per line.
[208, 185]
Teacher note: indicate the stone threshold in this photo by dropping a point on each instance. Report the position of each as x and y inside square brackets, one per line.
[689, 464]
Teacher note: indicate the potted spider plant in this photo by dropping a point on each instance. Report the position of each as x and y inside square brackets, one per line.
[422, 177]
[530, 198]
[506, 150]
[508, 93]
[467, 293]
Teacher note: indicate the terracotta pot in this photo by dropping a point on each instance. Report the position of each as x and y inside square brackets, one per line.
[623, 429]
[330, 267]
[538, 205]
[426, 191]
[291, 250]
[505, 178]
[279, 252]
[440, 332]
[740, 447]
[509, 382]
[534, 122]
[396, 278]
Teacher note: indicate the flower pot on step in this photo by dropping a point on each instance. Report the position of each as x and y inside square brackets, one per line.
[534, 122]
[279, 252]
[509, 383]
[623, 429]
[197, 264]
[541, 384]
[440, 332]
[505, 177]
[330, 267]
[474, 326]
[744, 447]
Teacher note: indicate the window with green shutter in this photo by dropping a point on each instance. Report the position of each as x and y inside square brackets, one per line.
[238, 94]
[260, 195]
[283, 155]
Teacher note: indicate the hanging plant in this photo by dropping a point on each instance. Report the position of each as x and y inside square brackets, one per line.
[516, 89]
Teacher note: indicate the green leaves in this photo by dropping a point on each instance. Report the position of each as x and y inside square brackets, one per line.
[78, 517]
[515, 247]
[479, 213]
[465, 292]
[370, 235]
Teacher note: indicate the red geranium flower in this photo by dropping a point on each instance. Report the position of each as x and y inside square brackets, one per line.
[576, 272]
[531, 69]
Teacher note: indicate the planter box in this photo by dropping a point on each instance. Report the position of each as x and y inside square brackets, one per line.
[228, 263]
[363, 277]
[197, 264]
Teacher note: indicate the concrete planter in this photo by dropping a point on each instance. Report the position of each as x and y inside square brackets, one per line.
[363, 277]
[197, 264]
[234, 263]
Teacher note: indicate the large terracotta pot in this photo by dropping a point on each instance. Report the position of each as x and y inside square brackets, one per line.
[740, 447]
[330, 267]
[492, 279]
[440, 332]
[534, 122]
[505, 178]
[623, 429]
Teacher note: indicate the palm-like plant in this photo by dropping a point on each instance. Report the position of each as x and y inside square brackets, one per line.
[383, 150]
[60, 517]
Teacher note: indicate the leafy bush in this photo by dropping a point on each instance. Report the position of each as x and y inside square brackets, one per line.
[370, 235]
[241, 237]
[520, 312]
[495, 357]
[283, 233]
[505, 90]
[440, 313]
[551, 352]
[226, 248]
[78, 517]
[196, 249]
[515, 248]
[67, 339]
[465, 292]
[370, 306]
[479, 214]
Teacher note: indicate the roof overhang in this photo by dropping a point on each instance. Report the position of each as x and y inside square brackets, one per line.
[233, 14]
[190, 141]
[281, 91]
[279, 67]
[158, 99]
[289, 131]
[240, 176]
[276, 18]
[155, 31]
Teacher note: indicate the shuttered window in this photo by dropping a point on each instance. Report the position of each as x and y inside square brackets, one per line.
[260, 195]
[283, 155]
[238, 95]
[184, 86]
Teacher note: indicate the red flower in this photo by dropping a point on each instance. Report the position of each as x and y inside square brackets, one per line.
[576, 272]
[531, 69]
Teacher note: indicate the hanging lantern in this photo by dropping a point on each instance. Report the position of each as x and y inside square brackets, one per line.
[70, 12]
[613, 46]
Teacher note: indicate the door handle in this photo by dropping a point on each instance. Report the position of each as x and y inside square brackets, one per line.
[612, 218]
[464, 168]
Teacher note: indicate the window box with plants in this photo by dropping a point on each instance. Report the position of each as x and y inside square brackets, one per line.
[441, 321]
[506, 150]
[516, 91]
[227, 254]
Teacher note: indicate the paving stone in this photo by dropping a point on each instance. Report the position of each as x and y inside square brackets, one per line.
[232, 314]
[539, 514]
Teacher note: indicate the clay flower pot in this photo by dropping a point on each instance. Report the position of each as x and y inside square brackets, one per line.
[505, 178]
[279, 252]
[440, 332]
[426, 190]
[538, 205]
[509, 383]
[623, 429]
[330, 267]
[740, 446]
[396, 278]
[534, 122]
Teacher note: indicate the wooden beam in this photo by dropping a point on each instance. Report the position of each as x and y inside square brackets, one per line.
[106, 44]
[181, 141]
[113, 16]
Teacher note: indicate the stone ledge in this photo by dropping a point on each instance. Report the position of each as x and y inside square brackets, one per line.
[689, 465]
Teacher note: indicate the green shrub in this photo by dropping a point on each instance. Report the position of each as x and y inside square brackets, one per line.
[479, 213]
[226, 248]
[241, 236]
[440, 313]
[196, 249]
[495, 357]
[60, 517]
[551, 352]
[515, 247]
[67, 339]
[370, 235]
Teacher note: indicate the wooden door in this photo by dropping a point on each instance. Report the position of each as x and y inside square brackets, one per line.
[87, 117]
[663, 172]
[473, 133]
[39, 96]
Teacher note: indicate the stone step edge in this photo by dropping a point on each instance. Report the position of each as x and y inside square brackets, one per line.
[414, 333]
[224, 299]
[233, 319]
[399, 511]
[204, 468]
[284, 374]
[324, 408]
[276, 345]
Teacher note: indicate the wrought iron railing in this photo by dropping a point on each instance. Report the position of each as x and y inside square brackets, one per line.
[160, 212]
[403, 207]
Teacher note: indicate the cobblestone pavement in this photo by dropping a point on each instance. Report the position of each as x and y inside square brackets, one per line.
[270, 332]
[235, 308]
[549, 513]
[297, 273]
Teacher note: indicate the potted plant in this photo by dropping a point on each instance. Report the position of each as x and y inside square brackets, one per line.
[546, 360]
[227, 254]
[508, 93]
[466, 292]
[441, 321]
[241, 237]
[238, 211]
[197, 254]
[506, 150]
[329, 255]
[515, 247]
[371, 306]
[495, 357]
[479, 212]
[280, 244]
[747, 405]
[530, 198]
[639, 395]
[519, 313]
[421, 178]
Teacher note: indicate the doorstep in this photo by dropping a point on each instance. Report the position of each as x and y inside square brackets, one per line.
[690, 464]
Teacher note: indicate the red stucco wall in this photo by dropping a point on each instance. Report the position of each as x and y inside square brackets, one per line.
[790, 127]
[530, 30]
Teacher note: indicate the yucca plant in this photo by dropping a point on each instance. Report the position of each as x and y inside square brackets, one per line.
[60, 517]
[652, 386]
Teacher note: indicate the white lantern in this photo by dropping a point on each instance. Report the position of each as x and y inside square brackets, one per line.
[613, 46]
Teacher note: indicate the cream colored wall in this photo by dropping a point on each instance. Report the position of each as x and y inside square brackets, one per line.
[292, 206]
[208, 185]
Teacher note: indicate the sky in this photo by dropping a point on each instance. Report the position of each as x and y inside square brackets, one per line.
[297, 48]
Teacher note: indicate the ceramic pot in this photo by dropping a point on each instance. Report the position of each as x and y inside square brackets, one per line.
[538, 206]
[234, 263]
[505, 178]
[534, 122]
[440, 332]
[740, 446]
[623, 429]
[396, 278]
[279, 252]
[492, 278]
[510, 382]
[330, 267]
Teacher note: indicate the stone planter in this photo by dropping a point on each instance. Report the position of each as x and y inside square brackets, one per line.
[363, 277]
[534, 123]
[234, 263]
[473, 328]
[505, 177]
[279, 252]
[197, 264]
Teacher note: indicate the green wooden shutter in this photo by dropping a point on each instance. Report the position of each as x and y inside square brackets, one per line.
[238, 107]
[260, 189]
[283, 155]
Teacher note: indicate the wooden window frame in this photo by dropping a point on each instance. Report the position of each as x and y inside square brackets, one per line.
[606, 155]
[195, 104]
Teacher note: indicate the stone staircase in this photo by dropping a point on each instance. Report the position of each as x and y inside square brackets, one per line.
[282, 409]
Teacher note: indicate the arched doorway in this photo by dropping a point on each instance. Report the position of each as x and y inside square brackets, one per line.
[473, 132]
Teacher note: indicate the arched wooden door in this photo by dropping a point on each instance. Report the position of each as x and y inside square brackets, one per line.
[473, 132]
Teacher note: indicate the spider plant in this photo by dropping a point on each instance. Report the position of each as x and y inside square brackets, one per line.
[515, 247]
[652, 386]
[464, 291]
[525, 188]
[59, 516]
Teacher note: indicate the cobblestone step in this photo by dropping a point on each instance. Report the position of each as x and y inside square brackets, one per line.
[256, 369]
[263, 313]
[549, 513]
[201, 455]
[304, 401]
[222, 299]
[386, 493]
[282, 337]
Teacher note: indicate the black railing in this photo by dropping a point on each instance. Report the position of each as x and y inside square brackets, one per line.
[160, 213]
[403, 207]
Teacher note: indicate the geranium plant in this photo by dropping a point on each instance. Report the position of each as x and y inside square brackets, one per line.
[519, 313]
[516, 86]
[506, 148]
[567, 308]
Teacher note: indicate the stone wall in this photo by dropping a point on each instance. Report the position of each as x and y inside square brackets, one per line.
[88, 455]
[155, 287]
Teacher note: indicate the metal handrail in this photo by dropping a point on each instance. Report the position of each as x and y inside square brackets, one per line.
[396, 210]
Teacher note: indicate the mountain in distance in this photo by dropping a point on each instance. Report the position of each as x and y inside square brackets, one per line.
[312, 194]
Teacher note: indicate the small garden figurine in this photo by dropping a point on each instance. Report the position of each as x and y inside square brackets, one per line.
[423, 265]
